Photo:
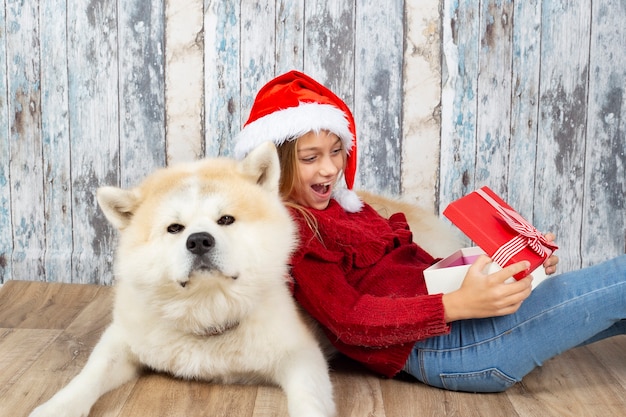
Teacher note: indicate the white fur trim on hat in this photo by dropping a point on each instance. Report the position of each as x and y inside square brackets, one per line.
[348, 199]
[291, 123]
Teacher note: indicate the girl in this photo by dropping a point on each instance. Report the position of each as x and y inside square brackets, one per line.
[361, 275]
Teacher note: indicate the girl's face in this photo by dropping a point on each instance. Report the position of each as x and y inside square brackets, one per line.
[320, 159]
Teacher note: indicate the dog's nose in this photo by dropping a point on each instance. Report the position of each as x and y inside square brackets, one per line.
[200, 243]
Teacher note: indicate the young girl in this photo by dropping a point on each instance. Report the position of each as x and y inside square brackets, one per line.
[361, 275]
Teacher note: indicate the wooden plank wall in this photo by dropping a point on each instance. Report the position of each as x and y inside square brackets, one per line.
[524, 96]
[81, 105]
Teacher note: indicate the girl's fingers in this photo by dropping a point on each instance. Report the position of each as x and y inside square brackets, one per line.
[479, 264]
[511, 270]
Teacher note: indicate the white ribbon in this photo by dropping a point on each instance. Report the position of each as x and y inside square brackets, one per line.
[527, 236]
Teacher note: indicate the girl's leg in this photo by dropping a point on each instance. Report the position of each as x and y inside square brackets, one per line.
[490, 355]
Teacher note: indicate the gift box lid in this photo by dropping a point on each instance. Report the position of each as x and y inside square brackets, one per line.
[499, 230]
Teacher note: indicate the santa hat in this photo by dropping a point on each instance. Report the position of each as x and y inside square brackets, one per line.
[292, 105]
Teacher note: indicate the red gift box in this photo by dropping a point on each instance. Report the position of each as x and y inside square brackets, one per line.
[499, 230]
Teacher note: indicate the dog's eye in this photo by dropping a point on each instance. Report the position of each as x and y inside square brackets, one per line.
[175, 228]
[225, 220]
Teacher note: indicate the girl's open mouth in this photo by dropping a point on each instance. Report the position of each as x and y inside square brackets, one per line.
[322, 189]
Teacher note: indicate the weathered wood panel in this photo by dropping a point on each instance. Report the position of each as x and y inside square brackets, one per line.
[184, 77]
[142, 89]
[258, 44]
[94, 126]
[290, 34]
[526, 46]
[330, 47]
[560, 164]
[6, 225]
[378, 93]
[222, 104]
[25, 147]
[458, 100]
[55, 130]
[421, 107]
[604, 204]
[493, 112]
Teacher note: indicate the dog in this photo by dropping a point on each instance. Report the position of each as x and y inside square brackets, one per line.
[202, 288]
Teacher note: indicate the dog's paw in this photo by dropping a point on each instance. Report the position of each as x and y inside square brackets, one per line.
[58, 409]
[313, 412]
[315, 402]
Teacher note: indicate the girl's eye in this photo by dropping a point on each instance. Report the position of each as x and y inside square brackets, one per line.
[336, 151]
[175, 228]
[226, 220]
[308, 160]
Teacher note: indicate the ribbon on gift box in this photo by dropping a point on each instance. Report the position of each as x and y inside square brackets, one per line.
[527, 236]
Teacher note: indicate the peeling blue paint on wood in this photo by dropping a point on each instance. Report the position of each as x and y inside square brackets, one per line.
[55, 130]
[526, 58]
[378, 94]
[95, 129]
[6, 224]
[459, 101]
[604, 203]
[290, 34]
[330, 46]
[142, 89]
[222, 76]
[257, 40]
[24, 107]
[494, 96]
[563, 93]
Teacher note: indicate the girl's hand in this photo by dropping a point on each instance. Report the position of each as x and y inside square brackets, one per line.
[483, 295]
[550, 263]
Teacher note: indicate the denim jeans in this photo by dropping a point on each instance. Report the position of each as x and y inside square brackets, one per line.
[490, 355]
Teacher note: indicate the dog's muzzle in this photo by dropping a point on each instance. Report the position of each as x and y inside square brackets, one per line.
[202, 246]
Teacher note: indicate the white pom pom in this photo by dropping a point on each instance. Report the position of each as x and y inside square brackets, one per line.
[348, 199]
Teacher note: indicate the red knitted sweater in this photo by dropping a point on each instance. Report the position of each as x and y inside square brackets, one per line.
[364, 283]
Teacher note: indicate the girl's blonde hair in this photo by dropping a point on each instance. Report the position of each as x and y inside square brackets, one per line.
[289, 174]
[290, 178]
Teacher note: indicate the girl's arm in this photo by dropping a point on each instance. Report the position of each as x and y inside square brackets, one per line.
[364, 320]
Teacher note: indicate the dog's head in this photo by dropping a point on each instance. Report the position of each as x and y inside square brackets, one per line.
[212, 226]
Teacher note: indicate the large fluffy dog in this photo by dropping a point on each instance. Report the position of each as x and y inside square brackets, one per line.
[201, 288]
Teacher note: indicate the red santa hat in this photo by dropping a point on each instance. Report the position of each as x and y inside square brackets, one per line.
[292, 105]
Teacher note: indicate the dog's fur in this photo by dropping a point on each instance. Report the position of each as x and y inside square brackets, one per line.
[202, 289]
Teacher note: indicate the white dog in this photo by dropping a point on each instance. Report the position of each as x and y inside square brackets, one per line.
[202, 289]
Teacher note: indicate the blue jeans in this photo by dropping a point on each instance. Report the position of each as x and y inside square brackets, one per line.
[490, 355]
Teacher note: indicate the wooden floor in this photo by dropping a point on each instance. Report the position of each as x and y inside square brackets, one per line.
[48, 330]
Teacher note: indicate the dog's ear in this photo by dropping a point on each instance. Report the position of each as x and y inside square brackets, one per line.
[262, 164]
[117, 205]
